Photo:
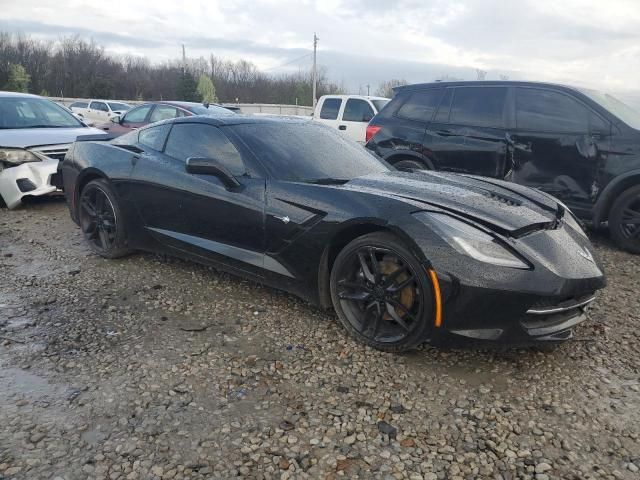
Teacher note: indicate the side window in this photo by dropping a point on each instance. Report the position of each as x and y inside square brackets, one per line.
[127, 139]
[163, 112]
[598, 124]
[421, 105]
[549, 111]
[445, 106]
[479, 106]
[137, 115]
[201, 140]
[357, 110]
[330, 108]
[154, 137]
[99, 106]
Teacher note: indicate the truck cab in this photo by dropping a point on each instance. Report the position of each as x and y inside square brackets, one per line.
[349, 114]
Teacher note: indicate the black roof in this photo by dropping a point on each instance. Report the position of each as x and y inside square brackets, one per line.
[476, 83]
[239, 119]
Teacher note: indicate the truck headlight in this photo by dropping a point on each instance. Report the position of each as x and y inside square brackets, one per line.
[16, 156]
[471, 241]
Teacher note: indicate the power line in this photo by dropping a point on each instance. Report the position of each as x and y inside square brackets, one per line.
[289, 62]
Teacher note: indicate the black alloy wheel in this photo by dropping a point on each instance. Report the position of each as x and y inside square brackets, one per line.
[624, 220]
[381, 293]
[99, 217]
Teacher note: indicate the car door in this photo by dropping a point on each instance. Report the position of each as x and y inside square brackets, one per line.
[329, 111]
[355, 116]
[557, 144]
[194, 213]
[467, 134]
[98, 112]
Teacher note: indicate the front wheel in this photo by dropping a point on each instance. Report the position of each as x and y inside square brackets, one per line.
[101, 220]
[624, 220]
[382, 294]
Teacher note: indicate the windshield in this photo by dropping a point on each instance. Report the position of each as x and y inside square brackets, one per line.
[121, 107]
[621, 110]
[33, 112]
[308, 152]
[379, 104]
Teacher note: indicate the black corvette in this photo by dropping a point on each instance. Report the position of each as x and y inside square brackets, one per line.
[403, 257]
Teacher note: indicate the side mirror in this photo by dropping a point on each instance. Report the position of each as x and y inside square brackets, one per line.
[115, 119]
[210, 166]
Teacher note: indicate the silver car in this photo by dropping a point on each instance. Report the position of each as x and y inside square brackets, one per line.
[35, 135]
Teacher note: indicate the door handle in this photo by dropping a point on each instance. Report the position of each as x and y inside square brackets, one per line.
[444, 133]
[342, 127]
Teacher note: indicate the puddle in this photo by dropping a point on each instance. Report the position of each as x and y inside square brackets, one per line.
[22, 383]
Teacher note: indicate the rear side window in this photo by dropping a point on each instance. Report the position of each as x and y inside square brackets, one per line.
[479, 106]
[421, 105]
[163, 112]
[206, 141]
[549, 111]
[154, 137]
[357, 110]
[137, 115]
[330, 108]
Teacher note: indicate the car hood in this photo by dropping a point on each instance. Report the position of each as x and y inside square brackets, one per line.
[32, 137]
[510, 208]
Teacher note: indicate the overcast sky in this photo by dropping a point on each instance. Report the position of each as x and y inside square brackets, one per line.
[590, 42]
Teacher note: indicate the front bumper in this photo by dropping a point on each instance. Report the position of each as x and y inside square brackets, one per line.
[32, 178]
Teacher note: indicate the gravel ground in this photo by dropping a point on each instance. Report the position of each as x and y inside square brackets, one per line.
[149, 367]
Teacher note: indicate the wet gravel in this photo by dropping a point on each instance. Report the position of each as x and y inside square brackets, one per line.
[149, 367]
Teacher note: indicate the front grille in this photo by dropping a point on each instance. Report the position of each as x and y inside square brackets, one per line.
[555, 317]
[55, 152]
[545, 306]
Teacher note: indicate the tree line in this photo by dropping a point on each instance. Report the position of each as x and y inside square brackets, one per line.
[77, 68]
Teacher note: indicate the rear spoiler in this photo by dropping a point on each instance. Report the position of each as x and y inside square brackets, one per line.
[96, 137]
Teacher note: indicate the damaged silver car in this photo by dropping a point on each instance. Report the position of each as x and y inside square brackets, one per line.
[35, 135]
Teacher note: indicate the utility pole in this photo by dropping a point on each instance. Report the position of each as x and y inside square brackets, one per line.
[368, 86]
[314, 72]
[184, 60]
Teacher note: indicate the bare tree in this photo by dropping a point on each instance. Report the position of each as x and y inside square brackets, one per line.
[385, 89]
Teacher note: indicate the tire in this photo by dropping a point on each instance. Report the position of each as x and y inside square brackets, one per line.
[411, 164]
[624, 220]
[101, 220]
[392, 310]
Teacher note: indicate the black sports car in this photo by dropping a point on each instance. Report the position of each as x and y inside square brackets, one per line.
[403, 257]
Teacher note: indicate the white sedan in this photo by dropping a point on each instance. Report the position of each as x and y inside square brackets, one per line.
[35, 135]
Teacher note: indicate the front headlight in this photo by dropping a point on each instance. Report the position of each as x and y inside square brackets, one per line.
[16, 156]
[471, 241]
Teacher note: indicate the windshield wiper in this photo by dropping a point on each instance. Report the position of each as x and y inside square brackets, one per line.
[327, 181]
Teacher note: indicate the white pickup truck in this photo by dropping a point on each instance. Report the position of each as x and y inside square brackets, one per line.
[349, 114]
[98, 111]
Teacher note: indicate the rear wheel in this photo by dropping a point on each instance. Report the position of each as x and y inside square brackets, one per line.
[411, 165]
[381, 293]
[101, 220]
[624, 220]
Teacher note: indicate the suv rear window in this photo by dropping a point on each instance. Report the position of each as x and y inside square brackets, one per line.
[421, 105]
[330, 108]
[479, 106]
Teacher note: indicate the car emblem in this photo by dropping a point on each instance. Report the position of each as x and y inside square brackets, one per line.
[284, 219]
[584, 253]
